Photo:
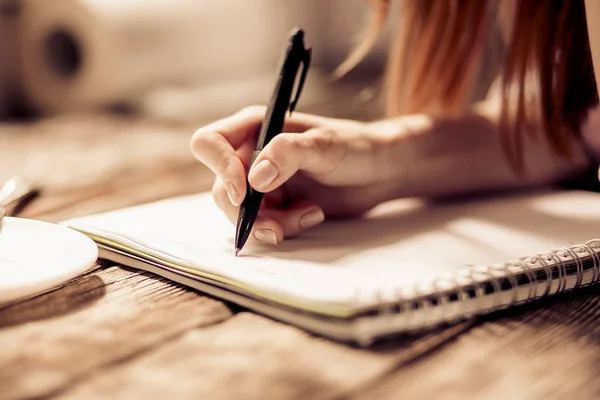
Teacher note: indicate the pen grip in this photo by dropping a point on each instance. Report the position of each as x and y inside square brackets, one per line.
[252, 195]
[254, 157]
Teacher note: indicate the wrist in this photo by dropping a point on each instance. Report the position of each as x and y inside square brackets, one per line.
[398, 153]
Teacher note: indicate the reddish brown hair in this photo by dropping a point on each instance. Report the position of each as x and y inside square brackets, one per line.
[547, 79]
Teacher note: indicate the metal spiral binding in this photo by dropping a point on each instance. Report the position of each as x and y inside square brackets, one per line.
[445, 299]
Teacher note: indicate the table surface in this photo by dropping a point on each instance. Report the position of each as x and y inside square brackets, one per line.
[120, 333]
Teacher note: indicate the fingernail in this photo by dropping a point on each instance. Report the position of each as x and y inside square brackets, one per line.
[266, 235]
[263, 174]
[232, 193]
[311, 218]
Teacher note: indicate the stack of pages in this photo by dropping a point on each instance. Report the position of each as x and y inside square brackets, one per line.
[406, 266]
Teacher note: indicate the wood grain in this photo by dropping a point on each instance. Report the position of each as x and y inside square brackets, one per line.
[545, 350]
[119, 333]
[99, 319]
[250, 356]
[86, 164]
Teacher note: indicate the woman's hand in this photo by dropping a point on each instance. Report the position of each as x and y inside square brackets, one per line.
[317, 167]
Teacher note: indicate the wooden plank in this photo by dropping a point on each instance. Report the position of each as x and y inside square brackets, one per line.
[548, 350]
[99, 319]
[252, 357]
[65, 153]
[87, 164]
[90, 164]
[119, 333]
[121, 193]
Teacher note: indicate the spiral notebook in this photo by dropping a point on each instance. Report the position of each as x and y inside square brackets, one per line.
[406, 266]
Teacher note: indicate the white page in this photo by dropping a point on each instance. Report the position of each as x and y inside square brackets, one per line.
[397, 246]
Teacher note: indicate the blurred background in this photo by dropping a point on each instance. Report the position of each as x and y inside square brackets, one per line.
[97, 96]
[177, 59]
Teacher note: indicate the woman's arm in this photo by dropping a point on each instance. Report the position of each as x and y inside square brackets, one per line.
[448, 156]
[453, 156]
[592, 13]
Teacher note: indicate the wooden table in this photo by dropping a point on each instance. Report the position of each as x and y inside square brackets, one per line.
[120, 333]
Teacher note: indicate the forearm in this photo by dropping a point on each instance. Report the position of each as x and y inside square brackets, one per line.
[439, 157]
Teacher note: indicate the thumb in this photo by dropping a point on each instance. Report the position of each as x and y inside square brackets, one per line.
[316, 151]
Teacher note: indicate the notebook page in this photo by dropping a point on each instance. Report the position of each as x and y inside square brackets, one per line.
[400, 245]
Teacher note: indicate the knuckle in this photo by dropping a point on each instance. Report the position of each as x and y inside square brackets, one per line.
[282, 149]
[332, 150]
[284, 143]
[232, 165]
[199, 140]
[324, 139]
[220, 167]
[293, 142]
[253, 110]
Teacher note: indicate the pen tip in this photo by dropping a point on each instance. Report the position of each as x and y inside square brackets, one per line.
[237, 251]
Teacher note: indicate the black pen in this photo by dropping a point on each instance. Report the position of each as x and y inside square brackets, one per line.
[296, 54]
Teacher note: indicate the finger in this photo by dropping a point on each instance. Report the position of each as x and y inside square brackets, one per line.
[285, 222]
[244, 124]
[265, 229]
[296, 218]
[244, 153]
[316, 152]
[214, 145]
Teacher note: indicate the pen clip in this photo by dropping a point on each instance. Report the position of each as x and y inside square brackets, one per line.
[305, 65]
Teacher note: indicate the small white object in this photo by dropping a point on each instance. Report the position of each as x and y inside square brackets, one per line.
[37, 256]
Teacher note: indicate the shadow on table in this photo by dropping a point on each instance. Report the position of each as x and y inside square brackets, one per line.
[75, 295]
[575, 312]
